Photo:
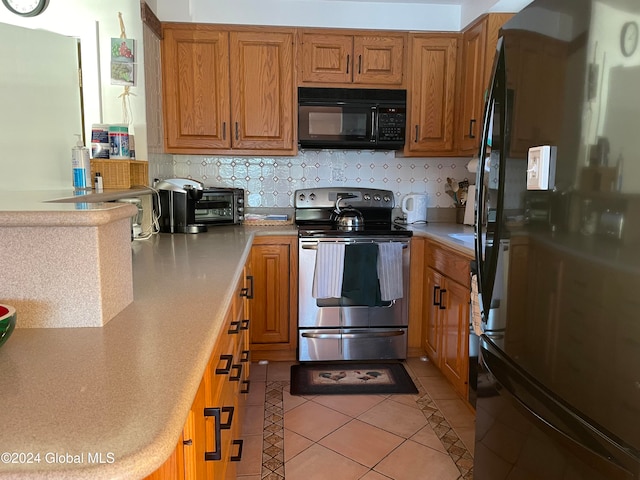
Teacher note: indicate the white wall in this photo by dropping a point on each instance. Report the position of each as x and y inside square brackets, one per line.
[408, 15]
[94, 22]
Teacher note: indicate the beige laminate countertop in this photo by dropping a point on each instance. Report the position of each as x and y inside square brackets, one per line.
[124, 390]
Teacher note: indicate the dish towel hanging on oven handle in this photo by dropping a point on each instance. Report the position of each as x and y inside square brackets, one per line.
[390, 270]
[329, 271]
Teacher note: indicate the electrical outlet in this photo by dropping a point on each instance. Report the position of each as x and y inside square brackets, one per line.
[541, 168]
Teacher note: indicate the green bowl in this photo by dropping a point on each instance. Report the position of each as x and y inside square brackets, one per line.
[7, 322]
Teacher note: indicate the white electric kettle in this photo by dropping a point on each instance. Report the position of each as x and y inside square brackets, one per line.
[414, 206]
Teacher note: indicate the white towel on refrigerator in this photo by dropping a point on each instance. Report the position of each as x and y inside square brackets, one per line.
[329, 271]
[389, 269]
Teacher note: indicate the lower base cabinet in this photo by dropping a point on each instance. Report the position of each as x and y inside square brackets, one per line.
[446, 309]
[274, 307]
[211, 441]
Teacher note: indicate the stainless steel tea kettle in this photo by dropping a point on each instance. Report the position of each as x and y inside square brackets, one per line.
[347, 218]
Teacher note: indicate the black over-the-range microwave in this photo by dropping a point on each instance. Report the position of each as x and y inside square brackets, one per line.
[351, 118]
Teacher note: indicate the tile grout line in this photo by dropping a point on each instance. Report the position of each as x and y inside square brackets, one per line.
[450, 440]
[273, 436]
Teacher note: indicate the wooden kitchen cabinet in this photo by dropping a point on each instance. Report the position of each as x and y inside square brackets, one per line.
[474, 41]
[446, 298]
[351, 57]
[228, 90]
[211, 442]
[431, 94]
[478, 52]
[274, 261]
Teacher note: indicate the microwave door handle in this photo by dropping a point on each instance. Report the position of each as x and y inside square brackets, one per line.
[374, 135]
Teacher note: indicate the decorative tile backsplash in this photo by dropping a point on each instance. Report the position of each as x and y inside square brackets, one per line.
[272, 181]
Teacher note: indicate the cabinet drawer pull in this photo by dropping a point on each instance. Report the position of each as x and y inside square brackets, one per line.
[238, 367]
[247, 386]
[227, 425]
[441, 301]
[238, 457]
[188, 442]
[436, 303]
[250, 279]
[238, 325]
[248, 291]
[245, 356]
[217, 453]
[472, 124]
[227, 368]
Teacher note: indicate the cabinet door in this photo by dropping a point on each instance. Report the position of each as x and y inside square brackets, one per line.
[378, 59]
[271, 306]
[473, 87]
[433, 81]
[262, 90]
[454, 311]
[196, 89]
[326, 58]
[195, 438]
[433, 283]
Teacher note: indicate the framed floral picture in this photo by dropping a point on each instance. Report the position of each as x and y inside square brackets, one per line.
[122, 61]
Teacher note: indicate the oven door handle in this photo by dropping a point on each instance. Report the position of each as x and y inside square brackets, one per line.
[314, 246]
[367, 334]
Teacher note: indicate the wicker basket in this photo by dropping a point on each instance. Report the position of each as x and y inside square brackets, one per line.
[121, 173]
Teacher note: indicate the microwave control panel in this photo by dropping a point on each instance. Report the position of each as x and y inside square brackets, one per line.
[391, 124]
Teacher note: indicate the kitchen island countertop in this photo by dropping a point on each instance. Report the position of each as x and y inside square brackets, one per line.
[121, 393]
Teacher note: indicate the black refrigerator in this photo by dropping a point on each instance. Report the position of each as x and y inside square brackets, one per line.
[556, 324]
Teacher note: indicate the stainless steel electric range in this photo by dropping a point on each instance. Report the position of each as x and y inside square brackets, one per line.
[353, 275]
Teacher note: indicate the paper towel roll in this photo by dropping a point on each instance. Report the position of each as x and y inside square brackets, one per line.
[469, 210]
[472, 166]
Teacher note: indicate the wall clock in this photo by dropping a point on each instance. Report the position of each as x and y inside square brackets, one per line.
[26, 8]
[629, 38]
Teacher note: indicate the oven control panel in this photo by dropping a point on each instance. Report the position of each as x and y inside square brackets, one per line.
[356, 197]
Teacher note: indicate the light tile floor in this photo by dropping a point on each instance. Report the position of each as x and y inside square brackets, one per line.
[427, 436]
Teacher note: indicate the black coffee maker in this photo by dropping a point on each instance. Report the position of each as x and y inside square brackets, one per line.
[178, 198]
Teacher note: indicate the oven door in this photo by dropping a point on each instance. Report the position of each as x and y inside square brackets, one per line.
[352, 344]
[336, 125]
[336, 328]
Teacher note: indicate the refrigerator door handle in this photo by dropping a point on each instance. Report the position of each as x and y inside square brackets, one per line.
[543, 410]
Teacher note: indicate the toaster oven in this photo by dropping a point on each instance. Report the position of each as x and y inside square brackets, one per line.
[219, 205]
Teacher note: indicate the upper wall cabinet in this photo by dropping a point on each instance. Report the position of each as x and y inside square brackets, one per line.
[478, 53]
[348, 57]
[431, 96]
[228, 91]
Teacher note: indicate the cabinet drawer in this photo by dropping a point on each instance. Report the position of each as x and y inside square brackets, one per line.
[452, 264]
